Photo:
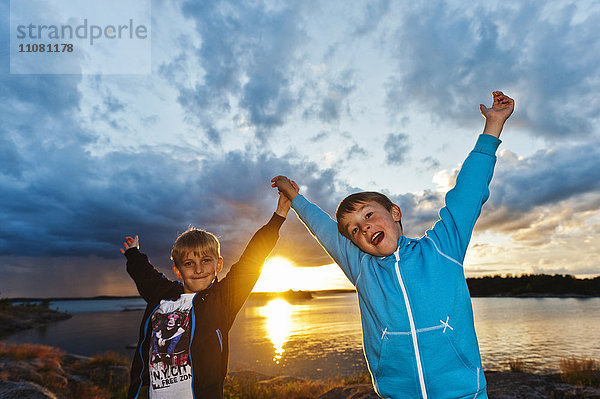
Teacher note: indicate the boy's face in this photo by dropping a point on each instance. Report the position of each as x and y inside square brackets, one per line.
[373, 228]
[197, 271]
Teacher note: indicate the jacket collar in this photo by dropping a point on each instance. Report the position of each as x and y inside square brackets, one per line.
[402, 246]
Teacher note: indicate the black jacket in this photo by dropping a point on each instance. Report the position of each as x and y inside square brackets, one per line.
[213, 312]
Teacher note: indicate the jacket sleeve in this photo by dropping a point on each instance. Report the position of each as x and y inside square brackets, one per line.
[243, 275]
[148, 280]
[452, 232]
[325, 230]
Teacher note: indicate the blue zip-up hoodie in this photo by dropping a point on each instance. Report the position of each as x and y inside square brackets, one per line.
[417, 319]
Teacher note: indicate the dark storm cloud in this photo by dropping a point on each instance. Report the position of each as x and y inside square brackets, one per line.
[449, 56]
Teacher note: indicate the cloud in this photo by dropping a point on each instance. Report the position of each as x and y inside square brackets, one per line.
[396, 148]
[247, 54]
[451, 55]
[76, 204]
[243, 71]
[338, 90]
[373, 13]
[355, 151]
[430, 163]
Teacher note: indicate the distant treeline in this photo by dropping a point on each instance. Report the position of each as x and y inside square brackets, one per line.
[534, 285]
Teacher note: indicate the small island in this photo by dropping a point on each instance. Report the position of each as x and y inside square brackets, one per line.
[534, 285]
[25, 315]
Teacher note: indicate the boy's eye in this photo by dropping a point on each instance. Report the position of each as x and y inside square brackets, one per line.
[188, 263]
[368, 215]
[206, 260]
[354, 230]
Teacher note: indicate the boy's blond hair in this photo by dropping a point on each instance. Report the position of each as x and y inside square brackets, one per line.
[200, 242]
[352, 202]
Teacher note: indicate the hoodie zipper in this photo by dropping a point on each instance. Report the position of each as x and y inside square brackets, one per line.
[141, 345]
[193, 314]
[413, 330]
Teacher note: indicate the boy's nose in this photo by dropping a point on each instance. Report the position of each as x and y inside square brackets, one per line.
[366, 227]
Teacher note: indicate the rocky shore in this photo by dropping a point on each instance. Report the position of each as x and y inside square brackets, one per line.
[41, 372]
[21, 317]
[501, 385]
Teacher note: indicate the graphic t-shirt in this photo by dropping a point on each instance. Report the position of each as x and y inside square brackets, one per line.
[170, 369]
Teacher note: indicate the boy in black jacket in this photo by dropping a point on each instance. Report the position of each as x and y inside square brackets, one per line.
[184, 335]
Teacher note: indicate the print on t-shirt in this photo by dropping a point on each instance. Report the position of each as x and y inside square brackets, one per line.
[169, 348]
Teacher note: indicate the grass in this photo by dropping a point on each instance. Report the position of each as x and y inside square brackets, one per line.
[30, 351]
[580, 372]
[288, 388]
[106, 375]
[106, 370]
[49, 367]
[516, 365]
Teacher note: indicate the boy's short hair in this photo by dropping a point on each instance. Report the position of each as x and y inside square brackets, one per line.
[352, 202]
[200, 242]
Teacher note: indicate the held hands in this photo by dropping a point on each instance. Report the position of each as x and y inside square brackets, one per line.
[288, 190]
[285, 186]
[283, 205]
[130, 243]
[502, 108]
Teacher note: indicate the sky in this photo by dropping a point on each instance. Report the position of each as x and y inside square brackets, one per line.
[342, 97]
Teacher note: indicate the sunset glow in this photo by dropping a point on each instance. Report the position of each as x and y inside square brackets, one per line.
[280, 274]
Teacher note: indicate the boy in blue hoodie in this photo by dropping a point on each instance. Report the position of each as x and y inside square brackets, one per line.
[417, 319]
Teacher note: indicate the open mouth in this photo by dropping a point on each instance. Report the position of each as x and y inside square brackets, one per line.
[377, 237]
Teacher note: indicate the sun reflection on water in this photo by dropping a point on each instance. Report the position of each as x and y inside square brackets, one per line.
[278, 323]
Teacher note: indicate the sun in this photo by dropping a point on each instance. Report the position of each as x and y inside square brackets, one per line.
[276, 276]
[281, 274]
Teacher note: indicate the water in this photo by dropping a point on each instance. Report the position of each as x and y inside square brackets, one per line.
[321, 337]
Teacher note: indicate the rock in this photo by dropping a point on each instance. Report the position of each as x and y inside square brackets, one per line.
[14, 370]
[44, 363]
[24, 390]
[512, 385]
[358, 391]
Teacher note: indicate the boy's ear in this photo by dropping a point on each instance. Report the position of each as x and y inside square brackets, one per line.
[396, 213]
[220, 264]
[177, 272]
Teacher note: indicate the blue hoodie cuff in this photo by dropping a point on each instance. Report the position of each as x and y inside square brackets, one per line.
[299, 201]
[487, 144]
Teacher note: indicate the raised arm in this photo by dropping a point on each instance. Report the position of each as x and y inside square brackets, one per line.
[243, 275]
[463, 203]
[323, 228]
[149, 281]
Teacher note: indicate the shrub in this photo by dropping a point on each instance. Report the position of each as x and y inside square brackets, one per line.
[30, 351]
[359, 378]
[516, 365]
[109, 359]
[580, 372]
